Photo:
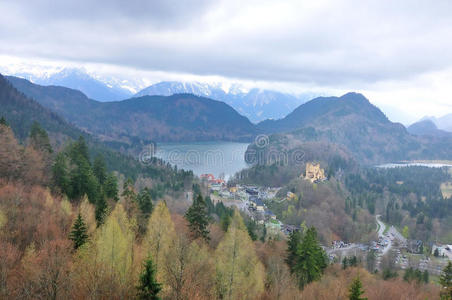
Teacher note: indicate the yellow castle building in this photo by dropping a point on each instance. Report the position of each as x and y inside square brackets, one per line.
[314, 173]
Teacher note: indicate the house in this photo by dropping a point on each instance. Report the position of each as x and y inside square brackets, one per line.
[208, 177]
[259, 205]
[256, 203]
[288, 229]
[291, 196]
[415, 246]
[270, 215]
[443, 251]
[251, 191]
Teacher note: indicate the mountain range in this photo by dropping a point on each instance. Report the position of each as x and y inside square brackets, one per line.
[255, 104]
[427, 127]
[351, 121]
[20, 112]
[443, 123]
[180, 117]
[80, 80]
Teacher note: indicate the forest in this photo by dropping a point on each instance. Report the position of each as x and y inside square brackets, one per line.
[71, 231]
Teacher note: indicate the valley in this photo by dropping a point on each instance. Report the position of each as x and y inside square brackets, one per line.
[312, 171]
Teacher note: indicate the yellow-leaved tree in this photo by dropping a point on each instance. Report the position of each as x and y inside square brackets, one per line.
[105, 267]
[239, 273]
[159, 237]
[87, 211]
[188, 270]
[114, 243]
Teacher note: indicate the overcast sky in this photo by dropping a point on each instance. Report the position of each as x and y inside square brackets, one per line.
[397, 53]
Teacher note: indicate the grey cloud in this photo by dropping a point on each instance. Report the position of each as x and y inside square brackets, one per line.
[345, 43]
[158, 13]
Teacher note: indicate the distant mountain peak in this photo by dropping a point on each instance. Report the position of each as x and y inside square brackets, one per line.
[80, 79]
[256, 104]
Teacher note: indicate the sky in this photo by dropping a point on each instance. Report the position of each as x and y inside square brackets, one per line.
[397, 53]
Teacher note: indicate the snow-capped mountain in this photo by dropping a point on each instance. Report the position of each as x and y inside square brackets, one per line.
[255, 104]
[79, 79]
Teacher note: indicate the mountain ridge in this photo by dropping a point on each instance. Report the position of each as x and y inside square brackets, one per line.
[180, 117]
[256, 104]
[427, 127]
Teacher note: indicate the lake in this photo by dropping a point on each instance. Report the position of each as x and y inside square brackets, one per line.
[414, 164]
[217, 158]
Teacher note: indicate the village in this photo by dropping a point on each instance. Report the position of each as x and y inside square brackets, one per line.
[251, 201]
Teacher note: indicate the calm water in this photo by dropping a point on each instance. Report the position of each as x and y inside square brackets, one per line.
[398, 165]
[216, 158]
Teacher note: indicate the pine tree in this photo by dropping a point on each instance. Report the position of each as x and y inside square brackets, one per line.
[356, 290]
[79, 234]
[100, 169]
[292, 247]
[198, 218]
[353, 261]
[60, 174]
[425, 276]
[344, 263]
[446, 282]
[82, 148]
[101, 210]
[436, 253]
[148, 287]
[39, 138]
[111, 187]
[128, 191]
[145, 202]
[311, 259]
[3, 122]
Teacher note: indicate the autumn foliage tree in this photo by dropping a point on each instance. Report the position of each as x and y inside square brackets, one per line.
[240, 274]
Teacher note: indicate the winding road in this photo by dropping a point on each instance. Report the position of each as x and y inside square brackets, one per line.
[381, 230]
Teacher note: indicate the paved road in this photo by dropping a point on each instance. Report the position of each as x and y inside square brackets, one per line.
[380, 234]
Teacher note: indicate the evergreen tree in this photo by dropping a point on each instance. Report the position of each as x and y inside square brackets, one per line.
[436, 253]
[128, 191]
[101, 210]
[425, 276]
[198, 218]
[356, 290]
[145, 202]
[79, 234]
[148, 287]
[225, 221]
[82, 148]
[111, 187]
[345, 263]
[311, 259]
[251, 227]
[3, 121]
[446, 282]
[100, 169]
[60, 174]
[292, 248]
[353, 261]
[39, 138]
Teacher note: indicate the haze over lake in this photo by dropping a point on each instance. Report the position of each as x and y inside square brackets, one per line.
[216, 158]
